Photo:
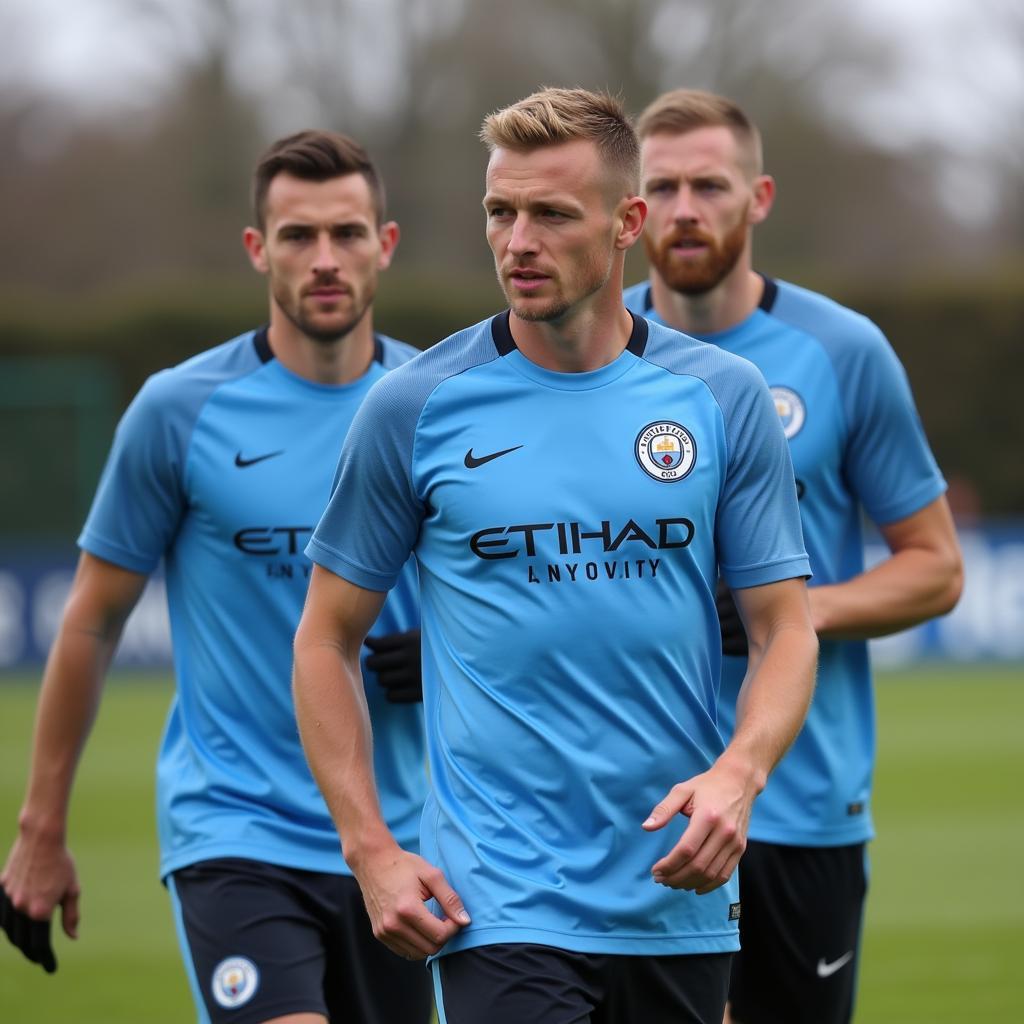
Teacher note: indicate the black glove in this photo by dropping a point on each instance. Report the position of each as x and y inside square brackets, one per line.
[734, 636]
[30, 936]
[396, 662]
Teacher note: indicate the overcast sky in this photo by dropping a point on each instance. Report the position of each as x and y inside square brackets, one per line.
[958, 85]
[96, 54]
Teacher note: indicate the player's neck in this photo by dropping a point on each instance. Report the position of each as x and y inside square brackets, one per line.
[727, 304]
[590, 336]
[324, 362]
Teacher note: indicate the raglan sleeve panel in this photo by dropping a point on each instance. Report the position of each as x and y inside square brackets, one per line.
[140, 500]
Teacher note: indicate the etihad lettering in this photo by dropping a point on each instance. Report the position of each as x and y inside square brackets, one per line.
[572, 538]
[272, 540]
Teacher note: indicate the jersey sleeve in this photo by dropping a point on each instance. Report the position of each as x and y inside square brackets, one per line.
[373, 517]
[888, 462]
[140, 499]
[758, 532]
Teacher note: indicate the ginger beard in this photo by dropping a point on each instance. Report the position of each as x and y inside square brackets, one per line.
[697, 271]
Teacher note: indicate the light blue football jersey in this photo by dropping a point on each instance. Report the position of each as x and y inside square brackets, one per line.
[858, 447]
[569, 529]
[222, 466]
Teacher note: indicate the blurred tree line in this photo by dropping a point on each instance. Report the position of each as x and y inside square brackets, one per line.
[122, 231]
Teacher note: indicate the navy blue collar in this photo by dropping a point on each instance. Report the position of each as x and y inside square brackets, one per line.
[501, 332]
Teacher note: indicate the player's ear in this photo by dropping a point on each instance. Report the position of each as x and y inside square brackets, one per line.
[256, 247]
[632, 216]
[389, 235]
[763, 188]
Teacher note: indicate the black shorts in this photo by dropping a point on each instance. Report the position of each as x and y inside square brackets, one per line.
[522, 983]
[799, 933]
[261, 941]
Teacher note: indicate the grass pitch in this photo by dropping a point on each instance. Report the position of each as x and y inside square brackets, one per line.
[945, 925]
[125, 965]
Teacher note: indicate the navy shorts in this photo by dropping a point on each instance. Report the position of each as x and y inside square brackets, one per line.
[799, 933]
[261, 941]
[522, 983]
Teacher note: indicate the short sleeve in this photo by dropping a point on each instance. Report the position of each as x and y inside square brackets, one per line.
[139, 502]
[888, 463]
[373, 517]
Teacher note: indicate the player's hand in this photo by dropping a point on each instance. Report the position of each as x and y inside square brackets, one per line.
[396, 887]
[734, 636]
[30, 936]
[718, 804]
[37, 877]
[397, 665]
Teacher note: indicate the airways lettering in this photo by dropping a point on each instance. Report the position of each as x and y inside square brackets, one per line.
[573, 572]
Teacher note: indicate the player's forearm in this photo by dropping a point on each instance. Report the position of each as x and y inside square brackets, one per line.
[68, 701]
[334, 726]
[774, 699]
[101, 599]
[909, 587]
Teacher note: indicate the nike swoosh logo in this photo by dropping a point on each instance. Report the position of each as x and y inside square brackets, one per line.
[826, 970]
[242, 463]
[472, 461]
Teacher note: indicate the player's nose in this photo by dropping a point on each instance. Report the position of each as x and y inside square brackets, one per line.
[522, 238]
[684, 211]
[325, 258]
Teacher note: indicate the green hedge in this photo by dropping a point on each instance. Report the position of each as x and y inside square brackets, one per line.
[962, 348]
[959, 341]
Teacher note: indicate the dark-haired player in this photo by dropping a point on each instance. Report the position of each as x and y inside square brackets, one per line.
[221, 468]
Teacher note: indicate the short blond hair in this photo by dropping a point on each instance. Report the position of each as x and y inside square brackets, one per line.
[683, 110]
[552, 116]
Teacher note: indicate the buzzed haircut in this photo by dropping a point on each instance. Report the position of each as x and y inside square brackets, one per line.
[314, 155]
[683, 110]
[552, 116]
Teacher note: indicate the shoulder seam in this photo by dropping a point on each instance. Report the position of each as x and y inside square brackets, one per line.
[187, 453]
[426, 399]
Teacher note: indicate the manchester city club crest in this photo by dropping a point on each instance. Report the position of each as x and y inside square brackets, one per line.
[235, 981]
[791, 409]
[665, 450]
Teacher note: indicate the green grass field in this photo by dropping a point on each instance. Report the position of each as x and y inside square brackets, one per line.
[945, 927]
